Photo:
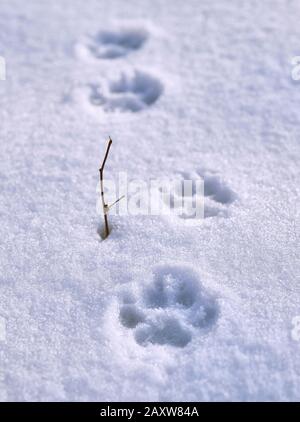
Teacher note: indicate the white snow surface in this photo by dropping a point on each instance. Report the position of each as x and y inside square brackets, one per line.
[160, 310]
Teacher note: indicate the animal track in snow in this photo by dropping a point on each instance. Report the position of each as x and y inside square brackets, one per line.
[132, 92]
[114, 44]
[216, 196]
[170, 308]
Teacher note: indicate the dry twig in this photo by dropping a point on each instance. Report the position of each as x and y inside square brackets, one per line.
[105, 206]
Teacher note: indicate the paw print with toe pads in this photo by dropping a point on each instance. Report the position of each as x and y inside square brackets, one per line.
[214, 198]
[132, 92]
[170, 309]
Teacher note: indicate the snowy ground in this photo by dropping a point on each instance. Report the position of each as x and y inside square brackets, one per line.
[160, 310]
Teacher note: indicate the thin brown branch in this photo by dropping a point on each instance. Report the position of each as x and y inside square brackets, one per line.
[106, 154]
[104, 205]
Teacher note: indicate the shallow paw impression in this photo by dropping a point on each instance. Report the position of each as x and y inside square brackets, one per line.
[115, 44]
[131, 93]
[170, 309]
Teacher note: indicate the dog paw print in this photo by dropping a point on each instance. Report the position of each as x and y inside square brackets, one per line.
[112, 44]
[170, 309]
[130, 93]
[196, 195]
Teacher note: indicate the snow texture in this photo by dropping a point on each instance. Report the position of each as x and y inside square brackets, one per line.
[160, 310]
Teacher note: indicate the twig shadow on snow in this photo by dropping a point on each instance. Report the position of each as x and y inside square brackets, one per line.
[101, 232]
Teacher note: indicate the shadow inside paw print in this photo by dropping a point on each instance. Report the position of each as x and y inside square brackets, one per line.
[130, 316]
[163, 330]
[170, 308]
[115, 44]
[130, 93]
[214, 197]
[216, 189]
